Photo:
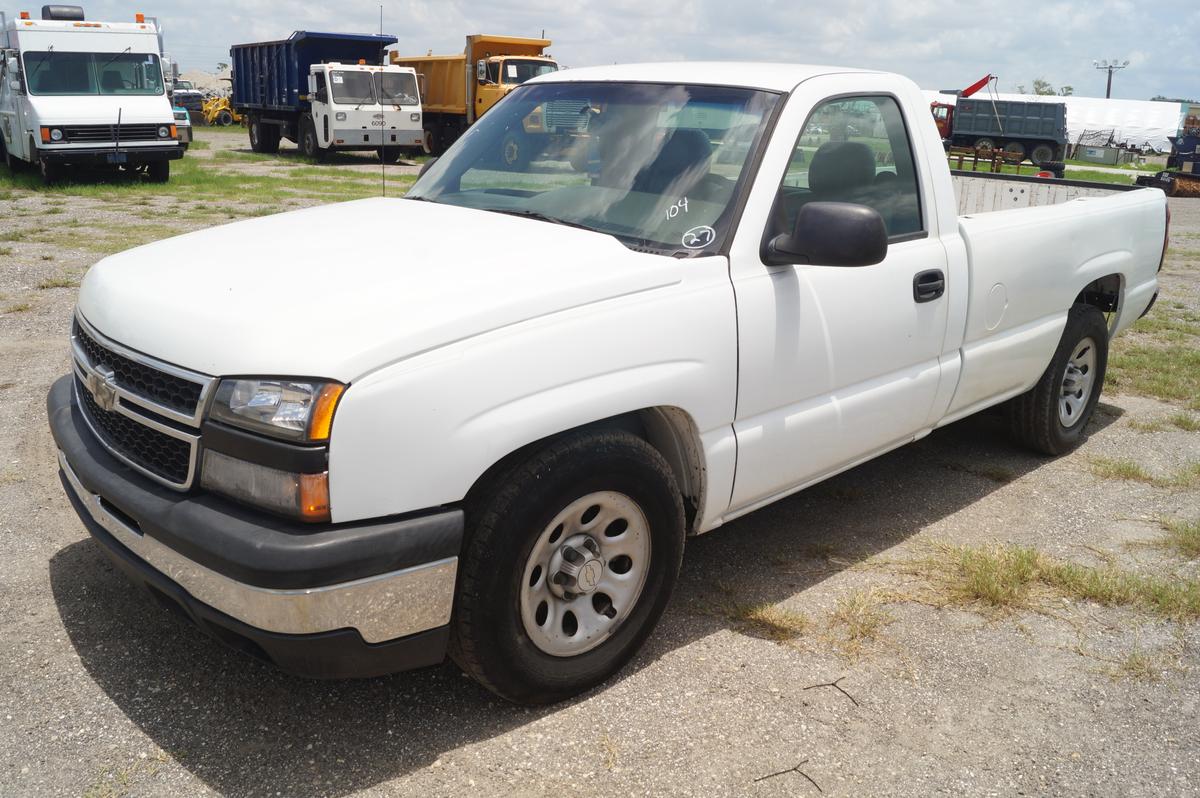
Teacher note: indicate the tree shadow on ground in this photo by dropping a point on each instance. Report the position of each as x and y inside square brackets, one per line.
[245, 728]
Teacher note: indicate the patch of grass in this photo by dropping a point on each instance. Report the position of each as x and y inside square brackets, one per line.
[199, 145]
[1158, 425]
[1182, 537]
[1097, 176]
[1109, 468]
[5, 251]
[1186, 422]
[19, 307]
[861, 615]
[771, 622]
[21, 234]
[1138, 665]
[62, 281]
[1005, 577]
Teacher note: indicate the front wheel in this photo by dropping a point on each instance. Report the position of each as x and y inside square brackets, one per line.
[309, 145]
[158, 171]
[569, 564]
[1050, 418]
[388, 154]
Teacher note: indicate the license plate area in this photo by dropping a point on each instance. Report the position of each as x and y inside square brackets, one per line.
[118, 157]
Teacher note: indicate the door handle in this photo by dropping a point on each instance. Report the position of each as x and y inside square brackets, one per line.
[929, 285]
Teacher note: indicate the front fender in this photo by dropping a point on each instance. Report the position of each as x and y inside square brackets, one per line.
[419, 433]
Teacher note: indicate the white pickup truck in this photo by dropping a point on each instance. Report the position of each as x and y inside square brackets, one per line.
[483, 419]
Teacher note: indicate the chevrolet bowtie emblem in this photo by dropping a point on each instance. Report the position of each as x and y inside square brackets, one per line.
[102, 384]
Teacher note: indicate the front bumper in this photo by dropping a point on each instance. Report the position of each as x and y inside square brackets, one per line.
[110, 155]
[357, 138]
[330, 601]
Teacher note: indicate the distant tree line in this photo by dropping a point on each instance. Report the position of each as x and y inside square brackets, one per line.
[1044, 87]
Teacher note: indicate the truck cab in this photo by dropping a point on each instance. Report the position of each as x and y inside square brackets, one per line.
[498, 75]
[364, 107]
[77, 93]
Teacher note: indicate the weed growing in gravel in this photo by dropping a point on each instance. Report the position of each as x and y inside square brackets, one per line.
[770, 621]
[5, 251]
[19, 307]
[1186, 422]
[1138, 665]
[1157, 425]
[1109, 468]
[21, 234]
[62, 281]
[1005, 577]
[1182, 537]
[860, 615]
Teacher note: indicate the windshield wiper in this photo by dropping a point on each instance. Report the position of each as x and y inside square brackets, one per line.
[543, 217]
[115, 57]
[41, 63]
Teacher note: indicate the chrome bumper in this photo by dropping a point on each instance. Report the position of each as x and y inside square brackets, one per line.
[380, 608]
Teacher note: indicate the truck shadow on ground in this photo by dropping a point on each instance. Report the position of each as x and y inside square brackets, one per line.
[246, 729]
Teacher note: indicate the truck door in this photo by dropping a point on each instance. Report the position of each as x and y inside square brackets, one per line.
[10, 98]
[836, 364]
[320, 110]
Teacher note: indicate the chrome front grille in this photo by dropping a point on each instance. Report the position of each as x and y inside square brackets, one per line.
[146, 412]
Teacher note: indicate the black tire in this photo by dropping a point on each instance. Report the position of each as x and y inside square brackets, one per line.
[224, 118]
[255, 128]
[1034, 417]
[389, 154]
[516, 150]
[432, 143]
[984, 144]
[488, 638]
[51, 172]
[1015, 148]
[1041, 154]
[158, 171]
[309, 145]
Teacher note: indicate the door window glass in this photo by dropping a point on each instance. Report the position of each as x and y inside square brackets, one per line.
[854, 150]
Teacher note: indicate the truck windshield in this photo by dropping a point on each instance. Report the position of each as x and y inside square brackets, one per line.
[58, 73]
[658, 166]
[352, 87]
[397, 88]
[519, 70]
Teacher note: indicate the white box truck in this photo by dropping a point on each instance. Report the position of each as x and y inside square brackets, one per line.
[77, 93]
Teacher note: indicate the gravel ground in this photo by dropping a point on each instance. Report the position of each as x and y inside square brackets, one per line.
[106, 694]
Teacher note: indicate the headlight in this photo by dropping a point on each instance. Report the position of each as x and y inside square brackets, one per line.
[56, 135]
[164, 131]
[340, 116]
[298, 410]
[181, 116]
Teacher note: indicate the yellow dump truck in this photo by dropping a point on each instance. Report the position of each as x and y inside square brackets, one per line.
[458, 89]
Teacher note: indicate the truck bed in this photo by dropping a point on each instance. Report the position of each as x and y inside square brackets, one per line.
[982, 192]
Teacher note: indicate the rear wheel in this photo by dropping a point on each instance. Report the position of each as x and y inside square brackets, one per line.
[1041, 154]
[263, 137]
[570, 561]
[432, 143]
[515, 150]
[985, 144]
[1015, 148]
[1050, 418]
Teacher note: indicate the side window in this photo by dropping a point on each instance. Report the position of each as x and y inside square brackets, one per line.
[854, 150]
[320, 81]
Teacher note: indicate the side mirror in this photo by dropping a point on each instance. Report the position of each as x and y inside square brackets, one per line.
[481, 71]
[425, 167]
[831, 234]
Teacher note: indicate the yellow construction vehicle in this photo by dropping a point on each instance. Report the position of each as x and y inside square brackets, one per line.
[218, 111]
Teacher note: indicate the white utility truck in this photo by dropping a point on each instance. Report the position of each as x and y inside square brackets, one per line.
[483, 419]
[327, 92]
[78, 93]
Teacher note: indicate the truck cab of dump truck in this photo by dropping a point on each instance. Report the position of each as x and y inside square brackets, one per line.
[362, 107]
[498, 75]
[78, 93]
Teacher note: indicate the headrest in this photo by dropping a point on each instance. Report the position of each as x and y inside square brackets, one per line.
[111, 80]
[839, 166]
[686, 150]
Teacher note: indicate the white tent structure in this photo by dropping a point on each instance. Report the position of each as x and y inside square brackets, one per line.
[1133, 122]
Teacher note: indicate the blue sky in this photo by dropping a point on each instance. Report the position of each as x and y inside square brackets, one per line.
[938, 44]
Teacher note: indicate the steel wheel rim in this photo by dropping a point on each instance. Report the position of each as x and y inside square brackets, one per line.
[1077, 383]
[565, 618]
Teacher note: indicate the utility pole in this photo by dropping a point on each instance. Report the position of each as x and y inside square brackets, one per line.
[1110, 67]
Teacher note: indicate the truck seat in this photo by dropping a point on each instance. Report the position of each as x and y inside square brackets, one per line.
[841, 171]
[110, 80]
[679, 165]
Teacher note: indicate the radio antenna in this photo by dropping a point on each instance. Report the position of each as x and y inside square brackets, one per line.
[383, 127]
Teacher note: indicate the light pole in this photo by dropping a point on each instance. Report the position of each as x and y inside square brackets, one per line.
[1110, 67]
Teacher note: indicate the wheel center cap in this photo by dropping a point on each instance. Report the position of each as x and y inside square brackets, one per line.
[589, 576]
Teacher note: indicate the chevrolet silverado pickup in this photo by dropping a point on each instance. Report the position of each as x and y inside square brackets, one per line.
[480, 421]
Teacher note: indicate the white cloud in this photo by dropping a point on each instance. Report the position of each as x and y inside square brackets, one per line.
[939, 44]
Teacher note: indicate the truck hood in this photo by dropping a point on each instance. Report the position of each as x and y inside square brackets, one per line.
[97, 110]
[342, 290]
